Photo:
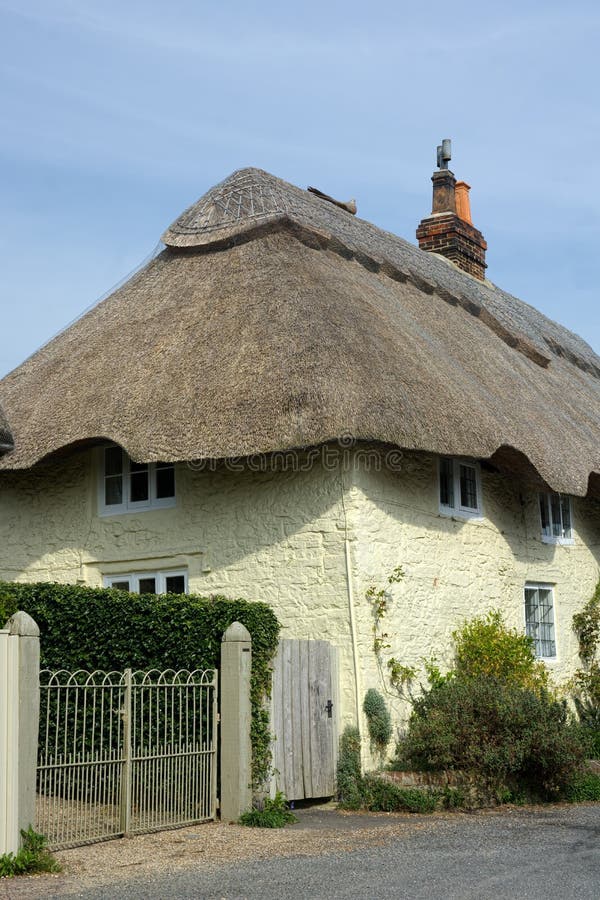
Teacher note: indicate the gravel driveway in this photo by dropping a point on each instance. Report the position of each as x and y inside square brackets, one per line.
[534, 852]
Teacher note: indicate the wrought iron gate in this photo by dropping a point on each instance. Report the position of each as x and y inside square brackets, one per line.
[125, 752]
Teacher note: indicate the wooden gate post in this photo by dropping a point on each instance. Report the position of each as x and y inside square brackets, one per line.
[236, 751]
[19, 722]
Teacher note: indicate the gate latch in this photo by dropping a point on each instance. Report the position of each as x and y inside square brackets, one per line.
[329, 708]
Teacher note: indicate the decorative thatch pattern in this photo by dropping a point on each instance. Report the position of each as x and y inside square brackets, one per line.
[6, 441]
[274, 319]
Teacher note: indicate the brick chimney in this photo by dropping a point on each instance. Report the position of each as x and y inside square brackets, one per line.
[449, 229]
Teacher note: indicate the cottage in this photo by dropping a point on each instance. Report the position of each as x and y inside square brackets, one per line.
[286, 403]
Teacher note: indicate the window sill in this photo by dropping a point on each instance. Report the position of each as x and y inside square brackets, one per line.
[460, 514]
[108, 511]
[557, 541]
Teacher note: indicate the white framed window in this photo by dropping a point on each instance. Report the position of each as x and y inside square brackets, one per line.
[557, 518]
[167, 582]
[126, 486]
[539, 619]
[459, 487]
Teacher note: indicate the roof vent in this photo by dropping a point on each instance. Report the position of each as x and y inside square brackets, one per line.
[449, 229]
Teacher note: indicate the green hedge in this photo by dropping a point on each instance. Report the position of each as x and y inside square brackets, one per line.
[98, 628]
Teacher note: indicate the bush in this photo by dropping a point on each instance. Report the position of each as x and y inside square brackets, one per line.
[98, 628]
[356, 791]
[381, 795]
[270, 814]
[586, 625]
[507, 735]
[349, 776]
[585, 786]
[33, 857]
[486, 646]
[589, 719]
[379, 721]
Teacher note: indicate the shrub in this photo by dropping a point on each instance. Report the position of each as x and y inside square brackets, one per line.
[486, 646]
[381, 795]
[356, 791]
[379, 720]
[33, 857]
[270, 814]
[453, 798]
[589, 718]
[507, 735]
[586, 625]
[349, 777]
[98, 628]
[584, 786]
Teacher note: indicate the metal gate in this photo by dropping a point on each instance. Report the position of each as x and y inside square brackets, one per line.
[125, 752]
[305, 718]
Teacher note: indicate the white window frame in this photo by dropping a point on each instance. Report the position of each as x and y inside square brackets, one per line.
[457, 510]
[134, 579]
[544, 586]
[555, 538]
[128, 506]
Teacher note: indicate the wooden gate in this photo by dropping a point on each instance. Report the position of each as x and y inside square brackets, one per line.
[304, 719]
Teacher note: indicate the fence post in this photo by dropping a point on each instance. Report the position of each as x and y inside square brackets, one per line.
[19, 723]
[236, 751]
[125, 811]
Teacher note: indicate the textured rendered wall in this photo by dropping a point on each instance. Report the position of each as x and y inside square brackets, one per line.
[455, 569]
[279, 537]
[276, 537]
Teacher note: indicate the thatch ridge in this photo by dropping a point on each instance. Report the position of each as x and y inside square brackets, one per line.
[286, 322]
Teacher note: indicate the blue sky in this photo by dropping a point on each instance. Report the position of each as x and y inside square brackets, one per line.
[118, 115]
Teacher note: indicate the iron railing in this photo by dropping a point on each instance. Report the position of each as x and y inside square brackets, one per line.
[125, 752]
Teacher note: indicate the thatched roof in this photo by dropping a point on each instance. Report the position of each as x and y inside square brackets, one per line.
[6, 441]
[274, 319]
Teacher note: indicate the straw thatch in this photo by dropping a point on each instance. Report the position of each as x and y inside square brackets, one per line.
[6, 441]
[274, 319]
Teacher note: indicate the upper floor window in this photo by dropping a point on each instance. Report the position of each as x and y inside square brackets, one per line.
[555, 513]
[169, 582]
[460, 487]
[127, 486]
[539, 619]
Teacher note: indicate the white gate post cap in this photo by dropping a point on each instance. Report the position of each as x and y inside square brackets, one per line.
[237, 632]
[22, 624]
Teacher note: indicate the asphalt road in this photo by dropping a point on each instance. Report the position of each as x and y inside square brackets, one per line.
[534, 853]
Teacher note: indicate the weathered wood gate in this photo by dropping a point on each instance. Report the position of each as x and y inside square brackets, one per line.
[304, 718]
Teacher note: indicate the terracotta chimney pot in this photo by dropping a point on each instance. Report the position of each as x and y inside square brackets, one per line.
[463, 205]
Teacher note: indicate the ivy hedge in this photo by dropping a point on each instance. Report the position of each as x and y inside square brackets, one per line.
[102, 628]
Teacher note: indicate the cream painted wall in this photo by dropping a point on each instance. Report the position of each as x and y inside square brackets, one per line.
[455, 569]
[276, 537]
[279, 537]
